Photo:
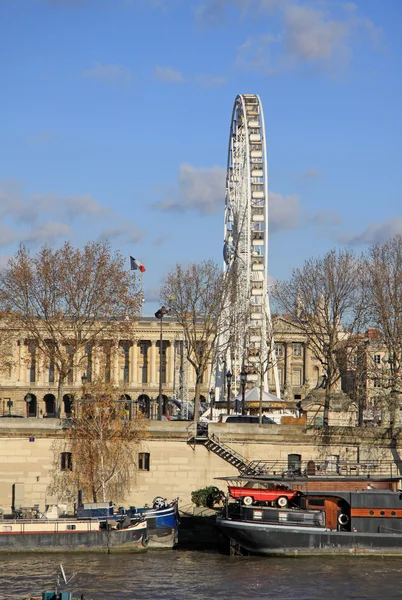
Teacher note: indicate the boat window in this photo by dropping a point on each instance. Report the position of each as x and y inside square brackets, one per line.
[7, 528]
[316, 502]
[69, 527]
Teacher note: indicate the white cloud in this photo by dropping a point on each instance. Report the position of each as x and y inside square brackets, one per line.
[198, 188]
[311, 36]
[43, 137]
[49, 215]
[111, 74]
[7, 235]
[212, 13]
[77, 206]
[377, 233]
[312, 173]
[48, 233]
[168, 75]
[4, 258]
[209, 80]
[324, 218]
[127, 232]
[256, 54]
[284, 212]
[306, 35]
[173, 75]
[202, 189]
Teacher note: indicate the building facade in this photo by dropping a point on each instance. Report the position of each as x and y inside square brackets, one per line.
[137, 367]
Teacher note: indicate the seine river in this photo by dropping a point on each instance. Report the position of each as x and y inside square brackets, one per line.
[183, 575]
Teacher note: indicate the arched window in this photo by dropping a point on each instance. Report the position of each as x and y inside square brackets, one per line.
[50, 405]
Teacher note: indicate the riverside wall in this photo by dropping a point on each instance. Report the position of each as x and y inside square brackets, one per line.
[29, 449]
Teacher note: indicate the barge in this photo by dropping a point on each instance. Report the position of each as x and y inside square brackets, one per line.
[326, 516]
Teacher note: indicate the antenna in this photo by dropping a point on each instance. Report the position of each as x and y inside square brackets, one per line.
[63, 574]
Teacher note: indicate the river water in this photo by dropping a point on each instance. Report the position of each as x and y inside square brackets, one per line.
[184, 575]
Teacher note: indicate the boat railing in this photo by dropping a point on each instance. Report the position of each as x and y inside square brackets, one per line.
[383, 529]
[326, 468]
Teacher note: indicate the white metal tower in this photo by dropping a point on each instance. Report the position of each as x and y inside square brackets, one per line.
[249, 341]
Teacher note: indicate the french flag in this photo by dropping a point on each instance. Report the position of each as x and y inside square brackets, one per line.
[135, 265]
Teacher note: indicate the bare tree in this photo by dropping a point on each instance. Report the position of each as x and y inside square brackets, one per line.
[102, 442]
[383, 302]
[196, 296]
[67, 299]
[324, 300]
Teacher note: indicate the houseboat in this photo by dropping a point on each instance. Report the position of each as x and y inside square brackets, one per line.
[313, 515]
[107, 533]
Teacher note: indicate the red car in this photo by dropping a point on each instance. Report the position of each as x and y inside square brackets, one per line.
[275, 494]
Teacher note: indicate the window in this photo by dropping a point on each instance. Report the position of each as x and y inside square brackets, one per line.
[279, 350]
[377, 359]
[297, 349]
[31, 363]
[143, 461]
[377, 382]
[296, 377]
[66, 463]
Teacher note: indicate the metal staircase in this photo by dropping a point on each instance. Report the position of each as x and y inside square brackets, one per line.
[213, 444]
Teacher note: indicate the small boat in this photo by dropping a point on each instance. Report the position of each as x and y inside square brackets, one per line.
[162, 520]
[107, 532]
[57, 593]
[313, 515]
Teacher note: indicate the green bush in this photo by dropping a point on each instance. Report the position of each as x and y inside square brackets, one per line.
[207, 496]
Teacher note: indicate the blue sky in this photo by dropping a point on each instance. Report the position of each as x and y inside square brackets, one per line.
[116, 115]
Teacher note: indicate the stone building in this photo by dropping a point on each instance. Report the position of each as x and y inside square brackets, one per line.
[28, 383]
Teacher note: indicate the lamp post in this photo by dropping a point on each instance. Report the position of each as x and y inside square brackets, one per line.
[163, 311]
[243, 381]
[212, 401]
[229, 384]
[28, 400]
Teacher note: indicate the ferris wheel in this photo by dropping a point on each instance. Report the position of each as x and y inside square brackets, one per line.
[248, 343]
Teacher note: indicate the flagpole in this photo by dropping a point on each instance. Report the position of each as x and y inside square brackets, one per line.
[142, 295]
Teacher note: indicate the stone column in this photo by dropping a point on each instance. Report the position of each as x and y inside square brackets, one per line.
[153, 369]
[21, 375]
[133, 379]
[287, 364]
[116, 363]
[171, 364]
[95, 361]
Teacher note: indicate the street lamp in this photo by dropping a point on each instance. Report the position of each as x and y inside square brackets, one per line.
[229, 383]
[243, 381]
[163, 311]
[212, 401]
[28, 400]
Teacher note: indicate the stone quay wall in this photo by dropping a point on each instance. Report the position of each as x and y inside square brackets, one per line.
[176, 467]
